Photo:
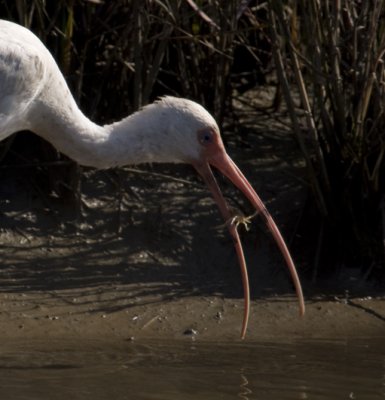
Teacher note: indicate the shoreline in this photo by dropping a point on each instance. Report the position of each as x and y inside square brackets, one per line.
[191, 318]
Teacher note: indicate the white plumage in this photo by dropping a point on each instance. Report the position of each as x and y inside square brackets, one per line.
[34, 96]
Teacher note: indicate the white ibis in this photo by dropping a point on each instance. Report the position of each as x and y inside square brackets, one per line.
[34, 96]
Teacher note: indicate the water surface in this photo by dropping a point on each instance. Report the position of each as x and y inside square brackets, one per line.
[307, 369]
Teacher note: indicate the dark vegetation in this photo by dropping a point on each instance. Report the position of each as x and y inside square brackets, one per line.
[327, 58]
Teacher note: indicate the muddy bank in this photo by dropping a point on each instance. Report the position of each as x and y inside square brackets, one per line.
[146, 255]
[77, 315]
[159, 269]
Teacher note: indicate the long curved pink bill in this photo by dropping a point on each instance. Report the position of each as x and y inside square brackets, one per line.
[227, 166]
[207, 175]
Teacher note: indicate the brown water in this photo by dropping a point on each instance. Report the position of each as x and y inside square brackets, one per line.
[308, 369]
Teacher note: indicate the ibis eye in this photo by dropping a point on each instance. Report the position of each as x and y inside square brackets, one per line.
[205, 136]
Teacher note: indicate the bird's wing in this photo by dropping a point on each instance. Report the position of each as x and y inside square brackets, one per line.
[22, 75]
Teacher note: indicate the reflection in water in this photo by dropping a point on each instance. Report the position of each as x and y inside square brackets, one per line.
[343, 369]
[245, 391]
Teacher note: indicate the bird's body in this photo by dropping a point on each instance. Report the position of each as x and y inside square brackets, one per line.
[34, 96]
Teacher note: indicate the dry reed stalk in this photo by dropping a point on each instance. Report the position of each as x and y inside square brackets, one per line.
[337, 60]
[287, 93]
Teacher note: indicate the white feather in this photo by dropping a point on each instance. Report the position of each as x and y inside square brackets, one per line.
[35, 96]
